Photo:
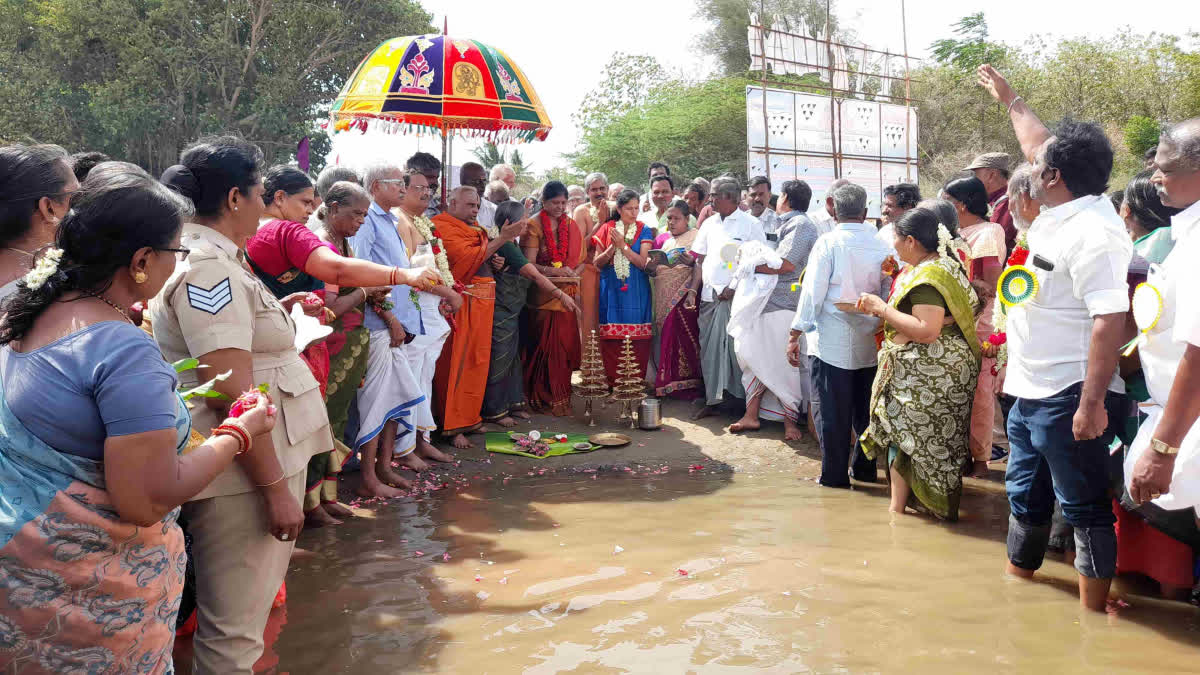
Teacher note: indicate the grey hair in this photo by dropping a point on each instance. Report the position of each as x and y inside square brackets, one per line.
[849, 201]
[575, 191]
[333, 174]
[592, 178]
[499, 169]
[703, 182]
[835, 185]
[377, 170]
[1185, 137]
[1018, 188]
[496, 192]
[945, 212]
[727, 187]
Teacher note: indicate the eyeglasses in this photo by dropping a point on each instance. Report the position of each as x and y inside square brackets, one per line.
[183, 252]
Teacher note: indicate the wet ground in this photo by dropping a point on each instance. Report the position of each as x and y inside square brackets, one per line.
[692, 551]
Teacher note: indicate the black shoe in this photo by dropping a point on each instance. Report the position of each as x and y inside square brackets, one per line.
[998, 453]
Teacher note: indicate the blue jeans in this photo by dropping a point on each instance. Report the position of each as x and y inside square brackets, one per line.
[1046, 461]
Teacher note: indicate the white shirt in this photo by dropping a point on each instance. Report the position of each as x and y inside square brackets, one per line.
[487, 214]
[739, 227]
[1048, 337]
[770, 223]
[843, 264]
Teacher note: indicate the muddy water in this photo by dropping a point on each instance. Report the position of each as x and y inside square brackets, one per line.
[781, 577]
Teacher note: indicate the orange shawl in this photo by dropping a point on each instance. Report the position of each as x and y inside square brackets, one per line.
[466, 246]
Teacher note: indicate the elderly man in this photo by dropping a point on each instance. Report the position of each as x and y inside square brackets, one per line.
[992, 169]
[461, 377]
[589, 216]
[476, 176]
[827, 219]
[1063, 344]
[843, 264]
[576, 197]
[716, 249]
[505, 173]
[614, 190]
[496, 192]
[429, 166]
[390, 391]
[775, 391]
[759, 189]
[1163, 455]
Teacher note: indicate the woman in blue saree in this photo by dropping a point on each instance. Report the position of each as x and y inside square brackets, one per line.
[91, 428]
[626, 307]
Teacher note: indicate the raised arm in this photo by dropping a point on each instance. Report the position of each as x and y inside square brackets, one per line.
[1031, 133]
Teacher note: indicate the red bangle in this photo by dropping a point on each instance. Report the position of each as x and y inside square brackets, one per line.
[395, 272]
[236, 432]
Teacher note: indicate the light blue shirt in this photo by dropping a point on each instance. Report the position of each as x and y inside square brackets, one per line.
[379, 241]
[843, 263]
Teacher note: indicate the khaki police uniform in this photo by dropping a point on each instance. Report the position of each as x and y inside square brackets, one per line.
[212, 302]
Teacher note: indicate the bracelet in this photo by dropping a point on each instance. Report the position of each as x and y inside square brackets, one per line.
[281, 477]
[366, 298]
[392, 278]
[1011, 103]
[236, 430]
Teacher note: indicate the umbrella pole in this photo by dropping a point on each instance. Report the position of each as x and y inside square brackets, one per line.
[445, 166]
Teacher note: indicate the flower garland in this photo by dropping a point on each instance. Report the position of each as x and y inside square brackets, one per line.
[620, 262]
[999, 336]
[46, 267]
[429, 231]
[556, 245]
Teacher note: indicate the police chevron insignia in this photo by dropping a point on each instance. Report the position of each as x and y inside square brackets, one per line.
[211, 300]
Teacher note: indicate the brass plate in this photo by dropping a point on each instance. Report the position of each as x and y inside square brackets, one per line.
[610, 439]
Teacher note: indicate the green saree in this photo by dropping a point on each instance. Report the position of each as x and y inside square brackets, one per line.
[921, 398]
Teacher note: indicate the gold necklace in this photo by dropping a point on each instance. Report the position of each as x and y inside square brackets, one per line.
[110, 303]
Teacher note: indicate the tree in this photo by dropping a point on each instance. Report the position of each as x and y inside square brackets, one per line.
[726, 39]
[1141, 134]
[489, 155]
[972, 49]
[627, 81]
[139, 79]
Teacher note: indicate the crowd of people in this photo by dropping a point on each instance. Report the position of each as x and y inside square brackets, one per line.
[1021, 312]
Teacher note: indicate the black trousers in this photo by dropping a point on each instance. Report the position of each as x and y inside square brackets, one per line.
[842, 407]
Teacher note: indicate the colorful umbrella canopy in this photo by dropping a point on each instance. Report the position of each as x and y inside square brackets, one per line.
[443, 84]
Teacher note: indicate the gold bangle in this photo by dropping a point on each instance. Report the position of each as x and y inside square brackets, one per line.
[366, 298]
[281, 477]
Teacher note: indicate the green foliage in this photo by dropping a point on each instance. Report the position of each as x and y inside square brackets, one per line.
[699, 129]
[1141, 134]
[139, 79]
[627, 82]
[972, 49]
[489, 155]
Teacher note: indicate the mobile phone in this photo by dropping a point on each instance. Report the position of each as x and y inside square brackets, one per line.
[1041, 263]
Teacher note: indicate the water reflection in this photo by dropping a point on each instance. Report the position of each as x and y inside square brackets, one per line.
[697, 573]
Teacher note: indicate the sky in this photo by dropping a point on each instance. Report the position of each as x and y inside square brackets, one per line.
[563, 46]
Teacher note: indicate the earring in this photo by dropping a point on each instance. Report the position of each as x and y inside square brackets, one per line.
[139, 278]
[235, 208]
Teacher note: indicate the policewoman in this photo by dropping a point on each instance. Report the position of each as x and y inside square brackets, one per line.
[244, 525]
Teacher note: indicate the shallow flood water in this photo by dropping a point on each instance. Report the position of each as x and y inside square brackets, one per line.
[585, 574]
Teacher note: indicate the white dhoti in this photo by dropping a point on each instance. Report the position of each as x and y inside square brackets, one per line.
[423, 353]
[760, 339]
[389, 393]
[762, 353]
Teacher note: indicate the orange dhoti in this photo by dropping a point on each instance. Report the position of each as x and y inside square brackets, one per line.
[460, 380]
[589, 301]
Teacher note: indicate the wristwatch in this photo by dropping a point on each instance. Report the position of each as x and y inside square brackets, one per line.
[1162, 448]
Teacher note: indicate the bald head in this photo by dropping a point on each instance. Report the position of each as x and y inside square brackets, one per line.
[464, 204]
[1177, 164]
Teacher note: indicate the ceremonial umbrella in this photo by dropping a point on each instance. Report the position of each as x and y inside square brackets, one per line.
[442, 85]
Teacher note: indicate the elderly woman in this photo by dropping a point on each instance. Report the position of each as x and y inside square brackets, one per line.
[675, 308]
[91, 428]
[988, 247]
[36, 183]
[928, 366]
[625, 307]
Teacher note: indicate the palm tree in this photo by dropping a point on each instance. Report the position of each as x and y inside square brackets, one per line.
[489, 155]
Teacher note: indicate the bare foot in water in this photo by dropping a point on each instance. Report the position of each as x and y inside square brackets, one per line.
[522, 414]
[506, 422]
[791, 432]
[704, 412]
[979, 469]
[318, 517]
[337, 510]
[745, 424]
[377, 489]
[460, 441]
[413, 461]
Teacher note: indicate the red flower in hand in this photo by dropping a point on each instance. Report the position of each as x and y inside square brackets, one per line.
[1018, 257]
[998, 338]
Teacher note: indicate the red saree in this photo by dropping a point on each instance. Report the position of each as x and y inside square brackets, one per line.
[556, 352]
